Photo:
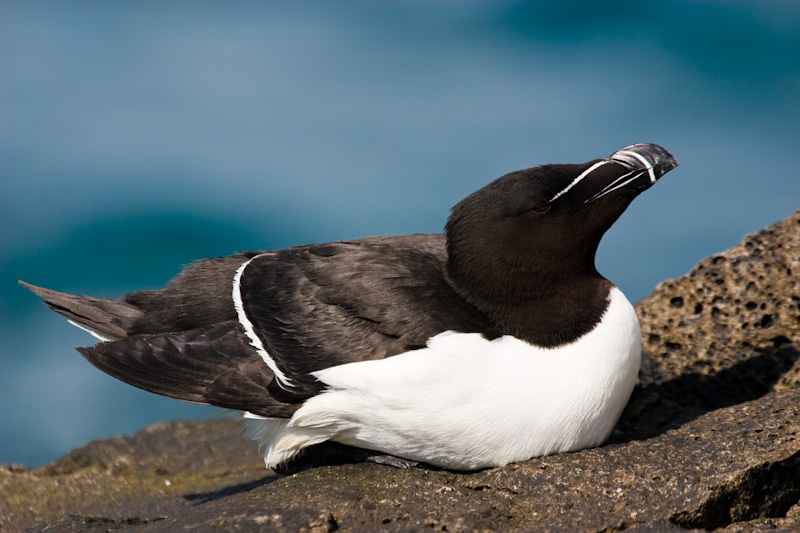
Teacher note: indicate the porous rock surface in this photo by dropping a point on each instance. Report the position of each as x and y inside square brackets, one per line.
[709, 441]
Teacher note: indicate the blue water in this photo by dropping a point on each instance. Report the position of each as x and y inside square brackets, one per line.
[138, 136]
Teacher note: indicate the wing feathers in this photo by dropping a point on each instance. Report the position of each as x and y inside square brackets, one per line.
[311, 307]
[215, 366]
[110, 317]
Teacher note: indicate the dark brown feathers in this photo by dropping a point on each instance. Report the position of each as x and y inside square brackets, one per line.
[212, 365]
[111, 318]
[312, 307]
[319, 306]
[199, 296]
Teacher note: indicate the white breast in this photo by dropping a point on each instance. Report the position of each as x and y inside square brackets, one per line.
[464, 402]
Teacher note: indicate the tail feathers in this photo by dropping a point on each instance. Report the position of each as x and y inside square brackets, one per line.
[105, 319]
[215, 366]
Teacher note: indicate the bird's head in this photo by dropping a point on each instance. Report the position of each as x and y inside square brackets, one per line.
[538, 226]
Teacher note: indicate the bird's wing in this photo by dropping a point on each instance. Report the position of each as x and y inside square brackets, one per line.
[314, 307]
[210, 365]
[246, 331]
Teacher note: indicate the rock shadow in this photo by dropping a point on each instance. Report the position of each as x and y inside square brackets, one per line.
[655, 409]
[205, 497]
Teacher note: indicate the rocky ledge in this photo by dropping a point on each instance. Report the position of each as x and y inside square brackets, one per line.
[709, 441]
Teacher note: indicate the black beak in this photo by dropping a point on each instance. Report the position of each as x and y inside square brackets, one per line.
[644, 164]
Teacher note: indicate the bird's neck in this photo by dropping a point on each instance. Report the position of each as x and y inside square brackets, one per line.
[546, 309]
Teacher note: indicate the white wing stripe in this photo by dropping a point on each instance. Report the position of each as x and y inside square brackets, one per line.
[250, 331]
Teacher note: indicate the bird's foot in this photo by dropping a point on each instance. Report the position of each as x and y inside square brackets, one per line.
[333, 453]
[390, 460]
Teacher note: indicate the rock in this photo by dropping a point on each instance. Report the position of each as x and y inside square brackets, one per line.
[726, 333]
[709, 440]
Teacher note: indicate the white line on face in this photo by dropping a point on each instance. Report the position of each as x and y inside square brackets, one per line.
[616, 185]
[579, 178]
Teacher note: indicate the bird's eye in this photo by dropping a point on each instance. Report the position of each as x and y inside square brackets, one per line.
[541, 209]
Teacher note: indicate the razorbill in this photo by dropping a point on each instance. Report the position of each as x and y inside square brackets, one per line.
[494, 342]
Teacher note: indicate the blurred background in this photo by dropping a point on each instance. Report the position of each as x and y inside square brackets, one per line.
[136, 137]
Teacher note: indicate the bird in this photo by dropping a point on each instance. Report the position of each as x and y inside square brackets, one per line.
[491, 343]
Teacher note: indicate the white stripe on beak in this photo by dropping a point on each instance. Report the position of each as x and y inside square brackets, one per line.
[647, 164]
